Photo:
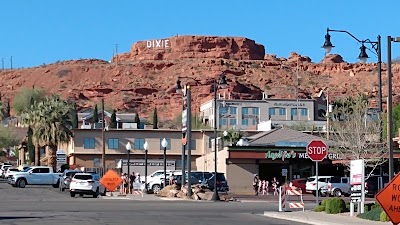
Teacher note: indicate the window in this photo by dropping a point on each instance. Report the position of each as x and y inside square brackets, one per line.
[139, 143]
[222, 121]
[245, 121]
[282, 111]
[168, 145]
[293, 111]
[193, 147]
[36, 170]
[254, 121]
[89, 143]
[113, 143]
[304, 112]
[223, 110]
[271, 111]
[44, 170]
[232, 121]
[232, 110]
[245, 111]
[96, 162]
[255, 111]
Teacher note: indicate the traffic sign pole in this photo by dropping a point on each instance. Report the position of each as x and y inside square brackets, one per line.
[316, 178]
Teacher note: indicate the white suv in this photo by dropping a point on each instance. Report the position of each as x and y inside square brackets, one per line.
[3, 170]
[311, 185]
[85, 184]
[154, 181]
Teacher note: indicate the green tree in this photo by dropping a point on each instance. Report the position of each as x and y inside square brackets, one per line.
[8, 138]
[155, 119]
[137, 120]
[48, 121]
[95, 114]
[7, 111]
[233, 136]
[113, 120]
[74, 116]
[31, 146]
[23, 98]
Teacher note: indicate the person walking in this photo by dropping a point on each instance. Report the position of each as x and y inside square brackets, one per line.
[255, 183]
[132, 179]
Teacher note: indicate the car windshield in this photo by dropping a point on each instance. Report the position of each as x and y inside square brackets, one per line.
[26, 169]
[83, 177]
[14, 169]
[70, 174]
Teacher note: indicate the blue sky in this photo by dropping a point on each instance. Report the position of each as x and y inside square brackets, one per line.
[37, 32]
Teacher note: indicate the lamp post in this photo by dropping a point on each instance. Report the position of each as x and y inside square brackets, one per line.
[146, 148]
[128, 151]
[222, 84]
[390, 104]
[164, 144]
[363, 56]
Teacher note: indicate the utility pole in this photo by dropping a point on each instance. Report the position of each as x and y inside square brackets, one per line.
[11, 60]
[2, 63]
[102, 137]
[297, 86]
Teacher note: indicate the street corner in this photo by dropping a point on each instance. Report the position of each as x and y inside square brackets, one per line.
[292, 216]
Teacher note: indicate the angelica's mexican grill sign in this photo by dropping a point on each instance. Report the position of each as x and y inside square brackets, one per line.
[160, 44]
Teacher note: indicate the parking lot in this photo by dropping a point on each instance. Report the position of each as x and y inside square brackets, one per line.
[47, 205]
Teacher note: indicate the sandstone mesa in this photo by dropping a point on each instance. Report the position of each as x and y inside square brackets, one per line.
[146, 76]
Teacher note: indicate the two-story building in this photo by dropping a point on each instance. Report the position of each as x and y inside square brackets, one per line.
[246, 114]
[124, 120]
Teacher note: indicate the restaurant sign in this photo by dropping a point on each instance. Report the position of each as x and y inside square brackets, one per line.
[292, 155]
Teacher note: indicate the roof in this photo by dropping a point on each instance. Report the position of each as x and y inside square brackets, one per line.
[284, 137]
[121, 117]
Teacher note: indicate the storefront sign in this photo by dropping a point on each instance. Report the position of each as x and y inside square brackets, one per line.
[289, 104]
[331, 156]
[280, 155]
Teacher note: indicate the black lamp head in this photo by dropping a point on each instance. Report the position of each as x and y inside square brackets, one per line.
[327, 44]
[223, 83]
[178, 86]
[363, 54]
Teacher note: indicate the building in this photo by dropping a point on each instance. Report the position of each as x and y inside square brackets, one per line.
[279, 153]
[85, 148]
[246, 114]
[124, 120]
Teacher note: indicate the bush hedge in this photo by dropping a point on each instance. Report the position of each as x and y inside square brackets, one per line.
[335, 205]
[384, 217]
[319, 208]
[374, 214]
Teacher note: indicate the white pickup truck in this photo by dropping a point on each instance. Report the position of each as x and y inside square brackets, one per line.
[35, 175]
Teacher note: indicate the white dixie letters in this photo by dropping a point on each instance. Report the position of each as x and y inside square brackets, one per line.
[164, 43]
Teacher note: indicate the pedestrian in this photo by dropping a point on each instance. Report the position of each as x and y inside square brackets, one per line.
[132, 179]
[125, 181]
[121, 187]
[275, 184]
[138, 180]
[171, 179]
[255, 183]
[260, 186]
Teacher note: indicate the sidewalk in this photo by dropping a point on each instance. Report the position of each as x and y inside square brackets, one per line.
[117, 195]
[321, 218]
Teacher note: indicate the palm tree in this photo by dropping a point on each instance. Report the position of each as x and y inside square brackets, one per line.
[48, 120]
[31, 118]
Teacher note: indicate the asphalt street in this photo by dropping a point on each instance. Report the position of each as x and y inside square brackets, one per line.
[46, 205]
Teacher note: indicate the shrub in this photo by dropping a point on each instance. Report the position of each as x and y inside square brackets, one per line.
[374, 214]
[323, 203]
[319, 208]
[384, 217]
[335, 205]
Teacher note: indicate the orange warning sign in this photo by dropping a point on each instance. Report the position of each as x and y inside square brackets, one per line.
[111, 180]
[389, 199]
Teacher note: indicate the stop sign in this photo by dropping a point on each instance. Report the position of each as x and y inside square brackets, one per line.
[317, 150]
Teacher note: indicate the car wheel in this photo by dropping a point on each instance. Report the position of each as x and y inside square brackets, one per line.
[22, 183]
[156, 188]
[81, 195]
[96, 194]
[72, 194]
[337, 193]
[57, 184]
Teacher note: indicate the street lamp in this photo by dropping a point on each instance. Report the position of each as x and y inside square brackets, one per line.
[222, 84]
[146, 148]
[128, 151]
[164, 144]
[363, 56]
[390, 105]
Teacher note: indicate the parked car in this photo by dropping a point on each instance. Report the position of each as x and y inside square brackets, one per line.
[86, 184]
[35, 175]
[157, 180]
[222, 183]
[10, 171]
[66, 178]
[194, 180]
[337, 186]
[299, 183]
[311, 185]
[3, 169]
[374, 184]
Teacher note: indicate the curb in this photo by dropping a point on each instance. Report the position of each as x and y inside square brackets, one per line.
[284, 216]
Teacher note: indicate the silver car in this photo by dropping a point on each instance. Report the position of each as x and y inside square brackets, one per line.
[66, 178]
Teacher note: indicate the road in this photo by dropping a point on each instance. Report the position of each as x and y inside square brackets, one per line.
[46, 205]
